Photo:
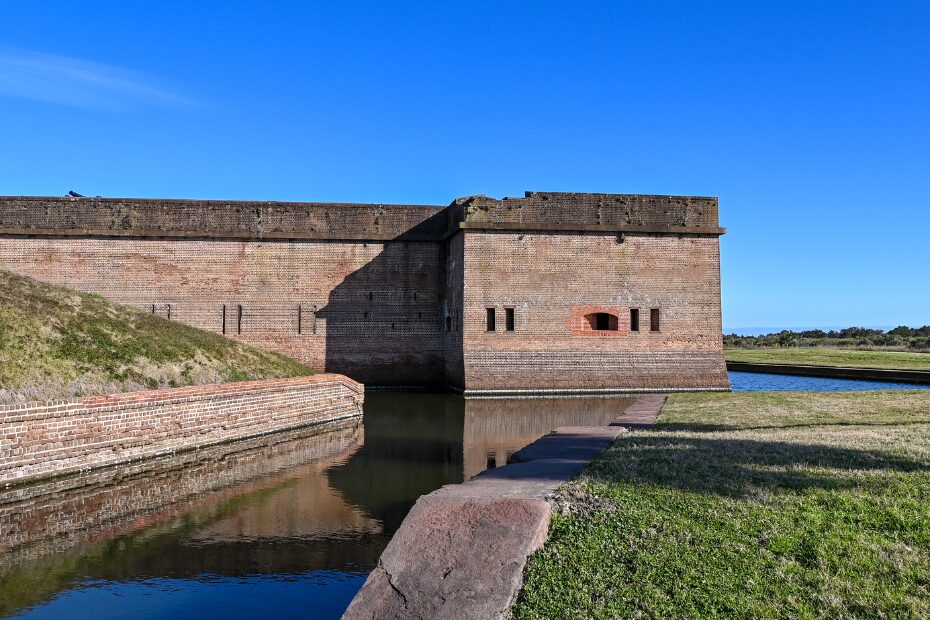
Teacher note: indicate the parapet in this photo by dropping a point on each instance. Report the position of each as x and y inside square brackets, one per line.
[143, 217]
[590, 212]
[222, 219]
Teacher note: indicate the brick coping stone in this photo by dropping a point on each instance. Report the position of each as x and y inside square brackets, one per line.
[461, 551]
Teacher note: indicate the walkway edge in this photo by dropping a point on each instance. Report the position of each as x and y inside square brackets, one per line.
[461, 551]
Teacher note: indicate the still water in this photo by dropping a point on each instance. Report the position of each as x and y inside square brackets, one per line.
[761, 382]
[286, 526]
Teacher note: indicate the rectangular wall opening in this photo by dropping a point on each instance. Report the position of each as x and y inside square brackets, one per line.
[239, 319]
[634, 319]
[654, 319]
[509, 319]
[490, 321]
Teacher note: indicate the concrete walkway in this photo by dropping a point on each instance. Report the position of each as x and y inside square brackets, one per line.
[644, 412]
[461, 551]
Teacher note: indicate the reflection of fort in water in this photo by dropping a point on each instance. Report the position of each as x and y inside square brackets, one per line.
[320, 498]
[494, 429]
[52, 516]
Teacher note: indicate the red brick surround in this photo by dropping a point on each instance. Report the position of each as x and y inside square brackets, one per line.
[579, 324]
[52, 438]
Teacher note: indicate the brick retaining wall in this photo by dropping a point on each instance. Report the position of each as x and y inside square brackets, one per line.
[50, 517]
[51, 438]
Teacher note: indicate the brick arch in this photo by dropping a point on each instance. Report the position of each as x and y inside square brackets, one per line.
[583, 320]
[602, 321]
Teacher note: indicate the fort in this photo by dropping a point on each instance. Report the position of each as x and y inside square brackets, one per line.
[549, 293]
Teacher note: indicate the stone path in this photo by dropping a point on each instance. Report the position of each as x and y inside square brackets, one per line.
[643, 412]
[461, 551]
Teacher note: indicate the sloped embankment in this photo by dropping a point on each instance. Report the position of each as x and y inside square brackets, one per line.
[60, 343]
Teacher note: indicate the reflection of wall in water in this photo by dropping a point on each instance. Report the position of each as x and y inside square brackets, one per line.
[59, 514]
[496, 428]
[413, 445]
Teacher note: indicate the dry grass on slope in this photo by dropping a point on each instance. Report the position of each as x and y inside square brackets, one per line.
[60, 343]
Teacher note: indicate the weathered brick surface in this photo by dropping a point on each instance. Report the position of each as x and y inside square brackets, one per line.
[544, 276]
[579, 322]
[42, 439]
[368, 310]
[453, 306]
[223, 218]
[573, 209]
[396, 295]
[50, 516]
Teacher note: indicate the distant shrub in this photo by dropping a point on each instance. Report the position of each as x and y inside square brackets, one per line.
[901, 337]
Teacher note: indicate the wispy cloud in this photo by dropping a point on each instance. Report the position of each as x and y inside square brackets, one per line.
[74, 82]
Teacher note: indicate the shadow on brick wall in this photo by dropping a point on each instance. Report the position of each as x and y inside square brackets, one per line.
[384, 321]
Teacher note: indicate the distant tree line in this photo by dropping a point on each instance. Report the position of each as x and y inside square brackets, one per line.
[900, 338]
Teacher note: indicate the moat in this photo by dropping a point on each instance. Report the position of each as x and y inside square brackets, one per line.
[285, 526]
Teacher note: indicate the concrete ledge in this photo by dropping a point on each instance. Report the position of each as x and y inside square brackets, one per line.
[536, 227]
[462, 549]
[580, 392]
[835, 372]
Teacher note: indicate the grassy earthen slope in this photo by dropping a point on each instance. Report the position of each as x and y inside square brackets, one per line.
[58, 343]
[749, 505]
[822, 356]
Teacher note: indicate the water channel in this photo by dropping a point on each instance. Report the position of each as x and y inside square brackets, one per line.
[285, 526]
[764, 382]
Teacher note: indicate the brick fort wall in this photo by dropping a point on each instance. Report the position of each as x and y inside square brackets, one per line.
[370, 310]
[399, 294]
[551, 281]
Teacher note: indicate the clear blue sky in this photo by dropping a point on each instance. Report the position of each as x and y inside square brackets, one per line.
[809, 120]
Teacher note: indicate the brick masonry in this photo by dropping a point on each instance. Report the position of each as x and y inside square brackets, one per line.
[52, 516]
[544, 276]
[580, 322]
[51, 438]
[397, 294]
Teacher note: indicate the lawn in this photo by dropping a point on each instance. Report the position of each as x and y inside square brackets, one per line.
[749, 505]
[822, 356]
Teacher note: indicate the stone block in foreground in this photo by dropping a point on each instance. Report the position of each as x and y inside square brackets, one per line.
[421, 574]
[461, 551]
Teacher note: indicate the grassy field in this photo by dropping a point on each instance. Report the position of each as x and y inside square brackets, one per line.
[749, 505]
[817, 356]
[58, 343]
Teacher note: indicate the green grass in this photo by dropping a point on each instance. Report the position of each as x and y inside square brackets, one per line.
[749, 505]
[59, 343]
[818, 356]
